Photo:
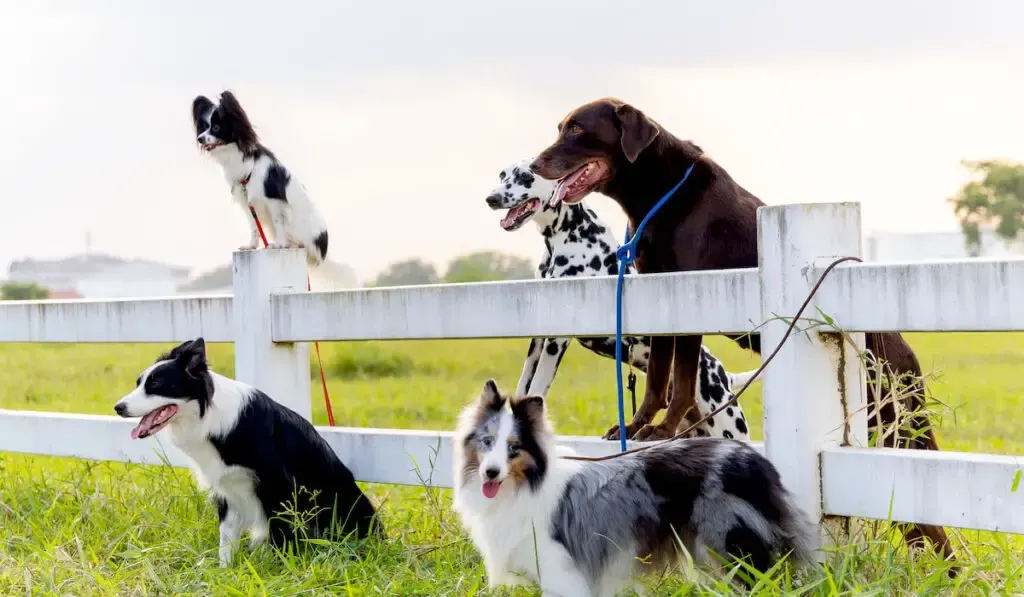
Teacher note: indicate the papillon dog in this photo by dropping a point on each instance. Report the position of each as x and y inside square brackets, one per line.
[591, 528]
[267, 469]
[258, 179]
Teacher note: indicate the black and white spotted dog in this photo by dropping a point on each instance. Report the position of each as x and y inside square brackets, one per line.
[577, 243]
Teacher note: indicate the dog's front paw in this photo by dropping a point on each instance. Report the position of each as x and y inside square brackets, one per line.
[651, 433]
[247, 248]
[275, 246]
[613, 433]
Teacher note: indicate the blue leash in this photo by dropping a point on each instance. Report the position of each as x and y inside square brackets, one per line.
[626, 255]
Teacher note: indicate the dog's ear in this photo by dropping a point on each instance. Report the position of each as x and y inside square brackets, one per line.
[245, 134]
[199, 107]
[529, 407]
[227, 97]
[637, 131]
[491, 397]
[192, 356]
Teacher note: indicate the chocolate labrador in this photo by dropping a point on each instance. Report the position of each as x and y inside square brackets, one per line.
[610, 147]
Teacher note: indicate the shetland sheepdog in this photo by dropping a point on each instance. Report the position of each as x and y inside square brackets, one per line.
[591, 528]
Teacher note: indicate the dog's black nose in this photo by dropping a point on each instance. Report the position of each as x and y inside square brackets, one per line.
[491, 473]
[494, 200]
[120, 409]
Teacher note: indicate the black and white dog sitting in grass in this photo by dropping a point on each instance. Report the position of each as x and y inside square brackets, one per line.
[268, 470]
[578, 244]
[588, 528]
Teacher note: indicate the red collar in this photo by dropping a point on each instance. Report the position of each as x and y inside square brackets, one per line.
[245, 180]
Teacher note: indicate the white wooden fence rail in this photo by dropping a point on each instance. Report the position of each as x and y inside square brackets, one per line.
[271, 318]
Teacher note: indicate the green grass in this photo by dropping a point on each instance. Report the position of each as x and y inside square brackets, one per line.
[70, 527]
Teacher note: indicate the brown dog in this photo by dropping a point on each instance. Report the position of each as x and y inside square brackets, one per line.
[611, 147]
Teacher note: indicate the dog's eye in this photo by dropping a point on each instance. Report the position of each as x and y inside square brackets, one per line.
[215, 128]
[487, 441]
[514, 447]
[574, 129]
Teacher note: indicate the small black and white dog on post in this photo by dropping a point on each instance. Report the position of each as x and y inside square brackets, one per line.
[258, 178]
[263, 464]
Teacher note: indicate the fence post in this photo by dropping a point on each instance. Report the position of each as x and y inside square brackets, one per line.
[279, 370]
[814, 390]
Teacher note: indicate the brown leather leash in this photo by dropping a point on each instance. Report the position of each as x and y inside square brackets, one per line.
[735, 397]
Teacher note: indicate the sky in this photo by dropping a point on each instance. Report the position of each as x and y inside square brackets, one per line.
[398, 116]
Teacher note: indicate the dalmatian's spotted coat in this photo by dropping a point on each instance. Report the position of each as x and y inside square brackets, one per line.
[577, 243]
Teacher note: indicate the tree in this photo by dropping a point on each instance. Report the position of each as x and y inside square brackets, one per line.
[998, 198]
[18, 291]
[484, 266]
[407, 273]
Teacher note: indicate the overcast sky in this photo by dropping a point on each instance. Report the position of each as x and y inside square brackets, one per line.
[398, 116]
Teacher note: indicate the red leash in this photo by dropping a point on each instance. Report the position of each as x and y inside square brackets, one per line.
[316, 345]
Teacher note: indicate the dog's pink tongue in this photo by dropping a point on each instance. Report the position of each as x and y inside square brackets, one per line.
[559, 193]
[563, 185]
[144, 424]
[509, 219]
[153, 419]
[513, 214]
[490, 489]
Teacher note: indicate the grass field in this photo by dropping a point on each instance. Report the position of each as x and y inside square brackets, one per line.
[71, 527]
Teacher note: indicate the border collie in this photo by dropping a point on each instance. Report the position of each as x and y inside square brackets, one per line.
[586, 528]
[577, 243]
[262, 463]
[287, 214]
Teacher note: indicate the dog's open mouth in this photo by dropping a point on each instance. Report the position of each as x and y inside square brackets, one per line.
[154, 421]
[574, 187]
[212, 146]
[490, 488]
[515, 217]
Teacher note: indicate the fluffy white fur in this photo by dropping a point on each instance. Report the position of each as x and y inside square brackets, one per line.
[295, 223]
[506, 528]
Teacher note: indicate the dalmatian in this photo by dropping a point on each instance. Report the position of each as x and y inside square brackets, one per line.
[577, 243]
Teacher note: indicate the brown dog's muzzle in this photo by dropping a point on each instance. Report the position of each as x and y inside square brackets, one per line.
[555, 167]
[542, 166]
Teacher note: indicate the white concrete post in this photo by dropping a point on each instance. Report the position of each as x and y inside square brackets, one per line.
[814, 395]
[279, 370]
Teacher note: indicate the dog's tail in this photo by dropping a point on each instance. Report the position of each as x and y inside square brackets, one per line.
[738, 380]
[316, 252]
[799, 536]
[782, 526]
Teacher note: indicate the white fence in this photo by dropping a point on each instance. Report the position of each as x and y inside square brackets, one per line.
[271, 318]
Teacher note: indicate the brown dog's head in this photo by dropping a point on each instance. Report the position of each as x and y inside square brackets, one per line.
[592, 141]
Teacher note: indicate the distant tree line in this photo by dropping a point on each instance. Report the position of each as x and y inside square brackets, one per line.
[18, 291]
[481, 266]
